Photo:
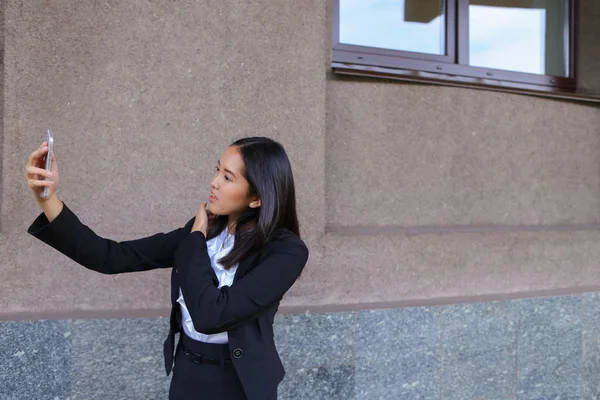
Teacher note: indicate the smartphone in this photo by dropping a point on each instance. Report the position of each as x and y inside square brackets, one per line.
[50, 140]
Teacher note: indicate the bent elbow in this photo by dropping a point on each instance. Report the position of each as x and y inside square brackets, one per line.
[206, 327]
[209, 322]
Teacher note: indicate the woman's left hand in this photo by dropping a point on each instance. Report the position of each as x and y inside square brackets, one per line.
[201, 222]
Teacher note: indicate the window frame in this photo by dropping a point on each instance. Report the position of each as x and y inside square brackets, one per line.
[451, 68]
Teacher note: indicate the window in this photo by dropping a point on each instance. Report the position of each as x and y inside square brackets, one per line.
[507, 44]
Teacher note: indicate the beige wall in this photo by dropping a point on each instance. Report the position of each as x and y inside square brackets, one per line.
[437, 193]
[144, 96]
[589, 50]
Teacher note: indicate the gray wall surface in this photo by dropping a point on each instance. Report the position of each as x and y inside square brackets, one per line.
[527, 349]
[589, 50]
[406, 193]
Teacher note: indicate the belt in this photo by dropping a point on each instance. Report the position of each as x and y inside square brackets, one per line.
[200, 359]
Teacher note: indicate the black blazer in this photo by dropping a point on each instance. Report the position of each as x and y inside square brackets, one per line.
[245, 310]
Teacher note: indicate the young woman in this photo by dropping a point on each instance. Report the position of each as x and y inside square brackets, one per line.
[231, 265]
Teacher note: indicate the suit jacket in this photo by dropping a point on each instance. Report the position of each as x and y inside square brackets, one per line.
[245, 310]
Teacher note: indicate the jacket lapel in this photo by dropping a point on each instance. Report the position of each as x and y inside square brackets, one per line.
[174, 286]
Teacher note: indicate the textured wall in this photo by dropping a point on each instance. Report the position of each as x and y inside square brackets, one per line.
[589, 51]
[2, 51]
[406, 192]
[443, 193]
[143, 98]
[430, 155]
[536, 348]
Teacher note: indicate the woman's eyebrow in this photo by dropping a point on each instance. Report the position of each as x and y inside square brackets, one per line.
[225, 169]
[230, 172]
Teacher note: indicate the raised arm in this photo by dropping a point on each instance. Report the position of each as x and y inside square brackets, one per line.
[60, 228]
[67, 234]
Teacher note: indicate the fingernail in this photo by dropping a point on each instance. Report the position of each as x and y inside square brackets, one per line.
[50, 174]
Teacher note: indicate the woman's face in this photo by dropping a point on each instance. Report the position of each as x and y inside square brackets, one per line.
[229, 194]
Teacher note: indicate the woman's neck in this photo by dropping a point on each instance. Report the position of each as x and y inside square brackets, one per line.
[231, 224]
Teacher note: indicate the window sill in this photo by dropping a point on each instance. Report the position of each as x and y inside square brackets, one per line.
[564, 93]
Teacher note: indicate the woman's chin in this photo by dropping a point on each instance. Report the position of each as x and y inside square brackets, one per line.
[213, 210]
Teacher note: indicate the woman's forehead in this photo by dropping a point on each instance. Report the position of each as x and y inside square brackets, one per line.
[232, 160]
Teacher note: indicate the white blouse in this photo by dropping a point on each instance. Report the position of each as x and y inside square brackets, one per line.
[218, 247]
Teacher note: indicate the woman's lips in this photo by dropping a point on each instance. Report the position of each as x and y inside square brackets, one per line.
[212, 198]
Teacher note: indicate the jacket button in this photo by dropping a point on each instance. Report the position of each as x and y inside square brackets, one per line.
[238, 353]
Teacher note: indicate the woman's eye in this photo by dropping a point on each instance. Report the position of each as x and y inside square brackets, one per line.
[227, 178]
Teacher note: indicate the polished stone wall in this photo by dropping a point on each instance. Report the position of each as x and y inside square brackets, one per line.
[537, 348]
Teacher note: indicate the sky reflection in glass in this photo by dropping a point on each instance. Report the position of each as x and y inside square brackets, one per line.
[512, 39]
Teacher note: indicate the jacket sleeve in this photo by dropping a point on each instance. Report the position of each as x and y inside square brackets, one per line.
[217, 310]
[67, 234]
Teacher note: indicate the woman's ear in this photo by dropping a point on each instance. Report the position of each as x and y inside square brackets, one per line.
[255, 203]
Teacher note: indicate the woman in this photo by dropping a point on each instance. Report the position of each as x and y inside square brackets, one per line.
[231, 265]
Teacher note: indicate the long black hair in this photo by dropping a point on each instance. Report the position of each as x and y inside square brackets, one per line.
[269, 174]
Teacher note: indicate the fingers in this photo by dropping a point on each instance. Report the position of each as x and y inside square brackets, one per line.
[36, 175]
[36, 183]
[202, 212]
[31, 170]
[36, 161]
[38, 154]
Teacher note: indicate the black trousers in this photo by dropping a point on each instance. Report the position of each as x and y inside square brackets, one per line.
[197, 379]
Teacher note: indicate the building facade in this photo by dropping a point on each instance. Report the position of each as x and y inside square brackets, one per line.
[410, 195]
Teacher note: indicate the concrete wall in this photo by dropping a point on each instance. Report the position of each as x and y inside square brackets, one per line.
[440, 194]
[407, 193]
[143, 98]
[589, 51]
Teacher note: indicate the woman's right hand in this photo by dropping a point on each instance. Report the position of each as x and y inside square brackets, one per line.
[35, 173]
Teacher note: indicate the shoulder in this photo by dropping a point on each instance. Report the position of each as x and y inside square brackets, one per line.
[190, 223]
[285, 240]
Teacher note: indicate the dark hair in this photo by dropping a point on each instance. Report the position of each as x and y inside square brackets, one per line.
[269, 174]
